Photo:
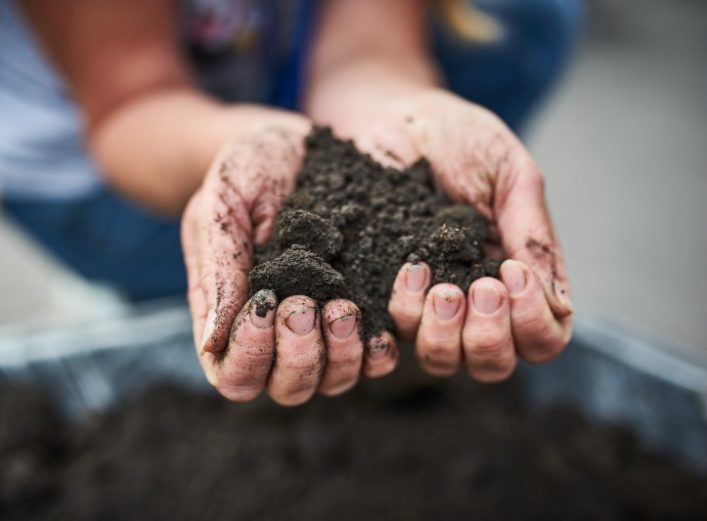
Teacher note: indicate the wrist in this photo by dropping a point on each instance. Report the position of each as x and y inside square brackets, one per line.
[341, 96]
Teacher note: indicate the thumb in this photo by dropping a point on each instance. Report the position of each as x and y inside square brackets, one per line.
[216, 240]
[527, 233]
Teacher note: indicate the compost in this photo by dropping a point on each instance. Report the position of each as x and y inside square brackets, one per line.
[405, 448]
[351, 223]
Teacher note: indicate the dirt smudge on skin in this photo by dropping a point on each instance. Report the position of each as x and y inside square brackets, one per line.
[263, 303]
[544, 256]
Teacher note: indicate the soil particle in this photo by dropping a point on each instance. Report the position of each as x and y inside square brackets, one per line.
[263, 303]
[351, 224]
[410, 447]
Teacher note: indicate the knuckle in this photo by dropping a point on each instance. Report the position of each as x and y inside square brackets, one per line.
[490, 356]
[438, 367]
[445, 349]
[486, 342]
[492, 362]
[300, 362]
[439, 360]
[348, 363]
[295, 379]
[535, 327]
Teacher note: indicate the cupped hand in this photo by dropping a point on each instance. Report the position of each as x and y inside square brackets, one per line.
[476, 160]
[291, 349]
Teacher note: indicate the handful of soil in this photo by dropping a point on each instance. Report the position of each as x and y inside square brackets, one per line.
[350, 225]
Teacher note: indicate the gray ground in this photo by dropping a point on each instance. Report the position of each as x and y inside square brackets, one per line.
[624, 148]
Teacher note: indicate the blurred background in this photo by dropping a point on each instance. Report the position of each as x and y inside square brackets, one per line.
[624, 147]
[623, 144]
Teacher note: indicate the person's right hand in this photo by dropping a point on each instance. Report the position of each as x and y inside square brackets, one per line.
[294, 349]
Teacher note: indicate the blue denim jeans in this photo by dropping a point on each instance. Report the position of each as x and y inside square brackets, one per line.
[106, 238]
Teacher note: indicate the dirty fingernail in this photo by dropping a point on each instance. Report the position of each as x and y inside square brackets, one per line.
[486, 299]
[378, 348]
[416, 277]
[514, 277]
[446, 304]
[262, 309]
[209, 325]
[343, 327]
[301, 321]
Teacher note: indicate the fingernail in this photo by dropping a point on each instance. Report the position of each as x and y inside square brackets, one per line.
[343, 327]
[377, 348]
[446, 304]
[208, 329]
[563, 297]
[301, 321]
[486, 299]
[514, 277]
[262, 309]
[416, 277]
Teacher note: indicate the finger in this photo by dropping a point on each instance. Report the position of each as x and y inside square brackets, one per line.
[299, 352]
[381, 355]
[195, 294]
[538, 336]
[340, 326]
[240, 374]
[438, 344]
[489, 355]
[223, 256]
[408, 298]
[527, 232]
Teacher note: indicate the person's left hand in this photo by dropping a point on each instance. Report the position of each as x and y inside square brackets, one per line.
[477, 160]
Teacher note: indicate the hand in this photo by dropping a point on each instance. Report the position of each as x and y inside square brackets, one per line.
[477, 160]
[291, 348]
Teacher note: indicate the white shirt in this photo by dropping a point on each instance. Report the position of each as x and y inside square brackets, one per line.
[43, 154]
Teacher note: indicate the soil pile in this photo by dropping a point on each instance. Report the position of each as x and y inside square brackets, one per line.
[352, 223]
[399, 449]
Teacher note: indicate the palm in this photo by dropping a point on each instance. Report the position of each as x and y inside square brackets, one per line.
[477, 160]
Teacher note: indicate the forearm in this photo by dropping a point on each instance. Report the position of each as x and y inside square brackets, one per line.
[156, 148]
[355, 64]
[150, 130]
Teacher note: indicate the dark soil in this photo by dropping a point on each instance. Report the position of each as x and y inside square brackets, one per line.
[352, 223]
[408, 448]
